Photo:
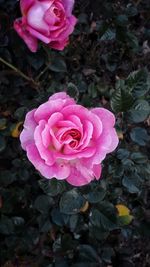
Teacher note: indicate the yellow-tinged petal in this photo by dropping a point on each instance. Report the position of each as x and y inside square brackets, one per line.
[122, 210]
[120, 134]
[85, 207]
[16, 130]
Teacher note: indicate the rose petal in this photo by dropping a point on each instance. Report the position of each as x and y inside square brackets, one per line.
[60, 171]
[25, 5]
[59, 44]
[46, 138]
[54, 104]
[66, 124]
[44, 152]
[63, 96]
[84, 114]
[76, 178]
[114, 140]
[69, 153]
[97, 169]
[45, 110]
[60, 133]
[107, 117]
[63, 32]
[87, 136]
[68, 141]
[68, 5]
[27, 135]
[76, 120]
[38, 35]
[42, 22]
[51, 19]
[108, 140]
[21, 29]
[52, 122]
[102, 144]
[35, 18]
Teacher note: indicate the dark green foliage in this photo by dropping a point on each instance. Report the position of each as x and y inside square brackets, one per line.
[122, 100]
[48, 223]
[71, 202]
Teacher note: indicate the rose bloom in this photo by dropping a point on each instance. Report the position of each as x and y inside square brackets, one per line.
[50, 21]
[67, 141]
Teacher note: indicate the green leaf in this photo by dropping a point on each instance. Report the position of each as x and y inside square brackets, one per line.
[98, 233]
[122, 20]
[57, 217]
[47, 225]
[128, 164]
[100, 220]
[67, 242]
[36, 61]
[71, 202]
[121, 100]
[18, 221]
[7, 178]
[131, 10]
[20, 113]
[138, 157]
[125, 220]
[52, 187]
[44, 223]
[2, 143]
[73, 220]
[107, 254]
[110, 61]
[140, 111]
[132, 183]
[138, 82]
[58, 64]
[87, 252]
[72, 90]
[120, 84]
[132, 41]
[123, 154]
[6, 226]
[108, 35]
[144, 229]
[43, 203]
[3, 123]
[146, 171]
[105, 217]
[96, 196]
[92, 90]
[139, 136]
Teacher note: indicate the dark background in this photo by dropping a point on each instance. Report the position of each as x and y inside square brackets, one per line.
[106, 64]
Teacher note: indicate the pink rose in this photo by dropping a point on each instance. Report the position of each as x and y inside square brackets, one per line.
[50, 21]
[67, 141]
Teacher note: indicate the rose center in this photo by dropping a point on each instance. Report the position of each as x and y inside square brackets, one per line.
[76, 136]
[57, 12]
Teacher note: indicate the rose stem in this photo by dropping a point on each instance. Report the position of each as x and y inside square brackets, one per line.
[47, 65]
[18, 71]
[42, 72]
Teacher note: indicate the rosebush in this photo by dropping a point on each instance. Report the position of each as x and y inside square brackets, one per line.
[67, 141]
[49, 21]
[49, 222]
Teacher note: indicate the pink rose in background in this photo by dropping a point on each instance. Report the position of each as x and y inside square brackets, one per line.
[50, 21]
[67, 141]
